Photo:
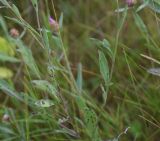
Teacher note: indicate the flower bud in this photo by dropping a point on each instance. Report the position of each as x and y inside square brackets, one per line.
[131, 2]
[54, 25]
[6, 118]
[14, 32]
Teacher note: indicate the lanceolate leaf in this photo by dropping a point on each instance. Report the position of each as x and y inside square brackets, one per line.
[44, 103]
[35, 4]
[3, 25]
[140, 24]
[16, 11]
[27, 57]
[5, 3]
[6, 58]
[90, 119]
[103, 64]
[46, 86]
[104, 44]
[46, 40]
[61, 21]
[79, 78]
[5, 87]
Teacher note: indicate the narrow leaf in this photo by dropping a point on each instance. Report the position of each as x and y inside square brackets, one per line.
[79, 77]
[6, 58]
[44, 103]
[46, 86]
[27, 57]
[103, 64]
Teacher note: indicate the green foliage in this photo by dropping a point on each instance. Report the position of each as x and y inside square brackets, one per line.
[6, 47]
[7, 51]
[54, 97]
[103, 64]
[44, 103]
[26, 54]
[5, 86]
[90, 119]
[35, 4]
[79, 78]
[46, 87]
[5, 73]
[154, 5]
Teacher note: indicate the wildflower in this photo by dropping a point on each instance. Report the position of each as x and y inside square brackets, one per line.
[54, 24]
[6, 118]
[14, 32]
[131, 2]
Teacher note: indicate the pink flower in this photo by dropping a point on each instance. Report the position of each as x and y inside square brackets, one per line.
[130, 2]
[14, 32]
[53, 24]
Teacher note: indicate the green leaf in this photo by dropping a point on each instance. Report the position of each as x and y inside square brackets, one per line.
[57, 41]
[6, 47]
[44, 103]
[140, 24]
[46, 86]
[6, 58]
[6, 130]
[3, 25]
[5, 73]
[5, 3]
[27, 57]
[119, 10]
[35, 4]
[104, 44]
[6, 88]
[61, 21]
[46, 40]
[104, 94]
[81, 103]
[90, 118]
[143, 5]
[79, 77]
[103, 64]
[16, 11]
[17, 21]
[154, 5]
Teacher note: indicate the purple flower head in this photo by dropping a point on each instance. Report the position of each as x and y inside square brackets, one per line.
[52, 21]
[130, 2]
[54, 25]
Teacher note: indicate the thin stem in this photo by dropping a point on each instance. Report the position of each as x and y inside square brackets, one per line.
[64, 51]
[116, 43]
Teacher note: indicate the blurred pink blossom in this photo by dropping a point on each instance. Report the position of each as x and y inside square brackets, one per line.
[130, 2]
[54, 24]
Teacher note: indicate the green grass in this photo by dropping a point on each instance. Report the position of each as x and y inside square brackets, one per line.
[88, 81]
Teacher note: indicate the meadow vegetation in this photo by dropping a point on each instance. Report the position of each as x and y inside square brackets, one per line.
[79, 70]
